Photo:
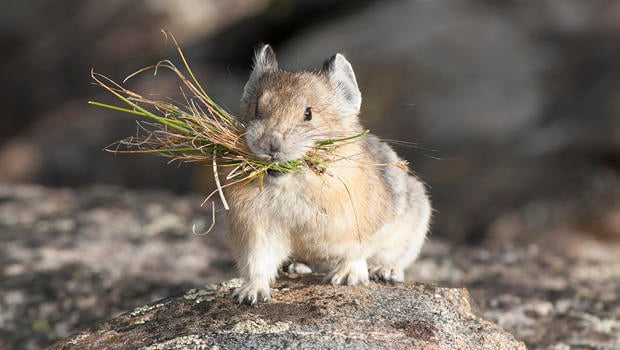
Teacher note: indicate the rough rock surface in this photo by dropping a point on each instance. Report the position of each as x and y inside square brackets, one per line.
[304, 313]
[70, 258]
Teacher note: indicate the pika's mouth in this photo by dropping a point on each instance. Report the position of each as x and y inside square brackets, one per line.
[273, 173]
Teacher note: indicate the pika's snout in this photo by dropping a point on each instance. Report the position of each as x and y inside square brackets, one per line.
[270, 146]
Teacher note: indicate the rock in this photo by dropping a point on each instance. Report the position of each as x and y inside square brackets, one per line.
[447, 93]
[547, 294]
[304, 313]
[71, 258]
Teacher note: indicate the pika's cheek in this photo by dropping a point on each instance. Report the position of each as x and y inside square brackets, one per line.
[254, 132]
[296, 148]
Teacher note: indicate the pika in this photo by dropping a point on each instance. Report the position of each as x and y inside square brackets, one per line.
[364, 218]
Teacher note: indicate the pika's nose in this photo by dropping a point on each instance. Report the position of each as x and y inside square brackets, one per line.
[273, 144]
[274, 147]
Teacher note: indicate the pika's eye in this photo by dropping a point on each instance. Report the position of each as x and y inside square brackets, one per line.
[256, 111]
[308, 114]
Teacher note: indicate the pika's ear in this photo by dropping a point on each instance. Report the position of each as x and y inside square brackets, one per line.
[264, 61]
[340, 74]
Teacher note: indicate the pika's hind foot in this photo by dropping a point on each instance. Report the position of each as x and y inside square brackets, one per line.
[349, 272]
[386, 274]
[298, 268]
[252, 292]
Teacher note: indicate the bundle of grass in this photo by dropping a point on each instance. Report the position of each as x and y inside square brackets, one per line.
[199, 130]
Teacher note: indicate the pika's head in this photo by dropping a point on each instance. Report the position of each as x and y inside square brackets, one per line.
[287, 112]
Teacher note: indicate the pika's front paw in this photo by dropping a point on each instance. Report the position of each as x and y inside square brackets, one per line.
[349, 273]
[252, 292]
[298, 268]
[386, 274]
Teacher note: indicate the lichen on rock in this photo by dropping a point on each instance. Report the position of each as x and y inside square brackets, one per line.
[304, 313]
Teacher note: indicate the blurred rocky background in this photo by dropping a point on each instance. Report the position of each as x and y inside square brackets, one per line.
[514, 108]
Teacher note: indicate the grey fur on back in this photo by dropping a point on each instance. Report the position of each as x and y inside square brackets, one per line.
[393, 177]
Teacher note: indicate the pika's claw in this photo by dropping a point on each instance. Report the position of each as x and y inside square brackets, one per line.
[349, 273]
[386, 274]
[252, 292]
[298, 268]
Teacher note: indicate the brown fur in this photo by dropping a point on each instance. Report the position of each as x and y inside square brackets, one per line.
[358, 212]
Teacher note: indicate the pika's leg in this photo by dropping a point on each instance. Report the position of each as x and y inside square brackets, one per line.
[349, 272]
[399, 242]
[389, 263]
[298, 268]
[258, 259]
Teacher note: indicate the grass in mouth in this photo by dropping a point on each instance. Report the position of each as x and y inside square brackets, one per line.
[198, 130]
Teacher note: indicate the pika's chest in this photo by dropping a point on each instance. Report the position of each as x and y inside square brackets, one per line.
[289, 206]
[303, 204]
[287, 202]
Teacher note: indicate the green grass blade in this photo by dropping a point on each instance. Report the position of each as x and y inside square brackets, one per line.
[170, 122]
[161, 150]
[223, 113]
[132, 111]
[332, 141]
